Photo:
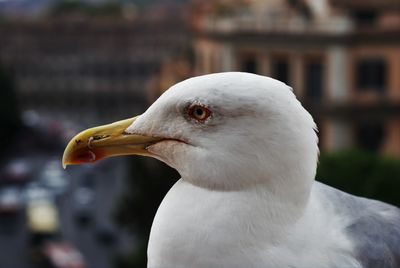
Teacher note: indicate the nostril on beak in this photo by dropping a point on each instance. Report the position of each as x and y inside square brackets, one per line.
[96, 138]
[90, 142]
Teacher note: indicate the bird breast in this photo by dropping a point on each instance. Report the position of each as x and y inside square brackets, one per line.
[197, 227]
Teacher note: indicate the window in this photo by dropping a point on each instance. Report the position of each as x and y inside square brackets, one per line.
[370, 136]
[249, 64]
[314, 80]
[280, 69]
[365, 17]
[371, 74]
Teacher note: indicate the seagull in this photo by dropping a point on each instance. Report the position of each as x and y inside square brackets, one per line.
[247, 153]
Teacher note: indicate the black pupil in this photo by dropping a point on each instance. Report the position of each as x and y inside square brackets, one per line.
[199, 112]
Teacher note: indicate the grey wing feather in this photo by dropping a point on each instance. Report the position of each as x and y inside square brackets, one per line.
[375, 228]
[377, 235]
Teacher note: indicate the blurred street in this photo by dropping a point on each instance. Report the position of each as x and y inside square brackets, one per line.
[96, 72]
[89, 229]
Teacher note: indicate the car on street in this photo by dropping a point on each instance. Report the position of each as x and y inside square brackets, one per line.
[42, 222]
[10, 200]
[53, 177]
[59, 254]
[35, 191]
[17, 171]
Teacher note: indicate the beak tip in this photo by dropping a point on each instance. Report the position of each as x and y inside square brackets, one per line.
[65, 157]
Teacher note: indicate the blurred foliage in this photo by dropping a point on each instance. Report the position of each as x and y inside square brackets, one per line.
[148, 182]
[362, 173]
[82, 7]
[224, 10]
[230, 8]
[9, 114]
[105, 8]
[144, 3]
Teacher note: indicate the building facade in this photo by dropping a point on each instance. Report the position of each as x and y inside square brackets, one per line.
[342, 58]
[88, 69]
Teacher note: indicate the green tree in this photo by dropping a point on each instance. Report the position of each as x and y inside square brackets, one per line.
[67, 7]
[362, 173]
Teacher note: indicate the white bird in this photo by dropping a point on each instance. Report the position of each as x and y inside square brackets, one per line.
[247, 153]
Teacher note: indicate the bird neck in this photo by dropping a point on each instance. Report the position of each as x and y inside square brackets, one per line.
[289, 191]
[281, 200]
[283, 203]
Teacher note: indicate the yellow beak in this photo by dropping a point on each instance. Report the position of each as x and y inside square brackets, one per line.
[97, 143]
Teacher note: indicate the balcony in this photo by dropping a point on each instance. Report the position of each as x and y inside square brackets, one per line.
[275, 24]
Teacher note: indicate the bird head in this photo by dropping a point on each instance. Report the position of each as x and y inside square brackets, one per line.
[225, 130]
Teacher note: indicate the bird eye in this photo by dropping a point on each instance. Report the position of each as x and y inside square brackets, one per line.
[198, 112]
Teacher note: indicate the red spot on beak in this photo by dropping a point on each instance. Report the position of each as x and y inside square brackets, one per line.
[85, 156]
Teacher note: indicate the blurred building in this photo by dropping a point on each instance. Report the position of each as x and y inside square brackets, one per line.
[89, 68]
[342, 59]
